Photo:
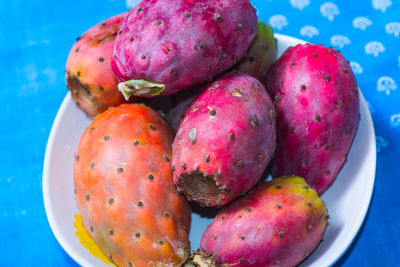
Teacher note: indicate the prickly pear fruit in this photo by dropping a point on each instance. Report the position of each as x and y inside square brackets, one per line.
[225, 140]
[316, 98]
[279, 224]
[191, 42]
[124, 188]
[89, 77]
[261, 54]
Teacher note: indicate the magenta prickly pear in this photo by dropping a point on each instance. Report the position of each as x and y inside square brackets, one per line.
[164, 47]
[317, 103]
[279, 224]
[261, 54]
[225, 140]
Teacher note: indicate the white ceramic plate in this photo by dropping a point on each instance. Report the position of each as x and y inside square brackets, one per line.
[347, 199]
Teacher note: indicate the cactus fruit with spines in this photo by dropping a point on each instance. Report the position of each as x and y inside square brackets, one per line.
[261, 54]
[280, 223]
[163, 48]
[317, 103]
[225, 140]
[124, 188]
[89, 76]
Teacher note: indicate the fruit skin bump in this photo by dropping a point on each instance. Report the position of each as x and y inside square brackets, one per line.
[225, 140]
[317, 103]
[278, 224]
[261, 54]
[124, 188]
[89, 77]
[163, 48]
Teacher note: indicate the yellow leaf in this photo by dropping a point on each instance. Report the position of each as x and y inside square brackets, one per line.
[88, 242]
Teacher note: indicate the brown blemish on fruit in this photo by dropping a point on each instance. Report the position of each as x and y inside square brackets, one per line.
[237, 92]
[166, 158]
[254, 121]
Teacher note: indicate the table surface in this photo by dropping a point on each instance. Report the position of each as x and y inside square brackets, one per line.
[35, 39]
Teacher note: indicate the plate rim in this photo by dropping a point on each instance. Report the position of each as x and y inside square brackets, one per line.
[331, 259]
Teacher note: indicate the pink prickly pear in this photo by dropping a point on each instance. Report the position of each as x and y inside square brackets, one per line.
[89, 77]
[279, 224]
[225, 140]
[317, 102]
[165, 46]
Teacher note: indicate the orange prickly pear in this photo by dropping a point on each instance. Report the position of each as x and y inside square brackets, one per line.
[124, 188]
[89, 77]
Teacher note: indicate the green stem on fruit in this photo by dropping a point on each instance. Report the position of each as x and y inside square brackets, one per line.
[139, 88]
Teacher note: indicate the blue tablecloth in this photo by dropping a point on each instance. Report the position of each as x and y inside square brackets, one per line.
[36, 36]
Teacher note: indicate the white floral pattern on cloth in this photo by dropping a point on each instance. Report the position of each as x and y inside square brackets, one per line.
[374, 48]
[278, 21]
[393, 28]
[132, 3]
[386, 84]
[300, 4]
[309, 31]
[340, 40]
[380, 143]
[395, 120]
[361, 23]
[356, 67]
[381, 5]
[329, 10]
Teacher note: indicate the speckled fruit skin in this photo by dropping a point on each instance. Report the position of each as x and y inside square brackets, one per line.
[124, 188]
[182, 43]
[278, 224]
[225, 140]
[317, 103]
[89, 77]
[261, 54]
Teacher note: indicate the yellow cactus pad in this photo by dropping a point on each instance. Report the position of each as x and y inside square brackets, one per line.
[87, 241]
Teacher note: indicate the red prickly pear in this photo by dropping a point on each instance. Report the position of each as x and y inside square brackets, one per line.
[124, 188]
[89, 77]
[225, 140]
[279, 224]
[317, 103]
[164, 47]
[261, 54]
